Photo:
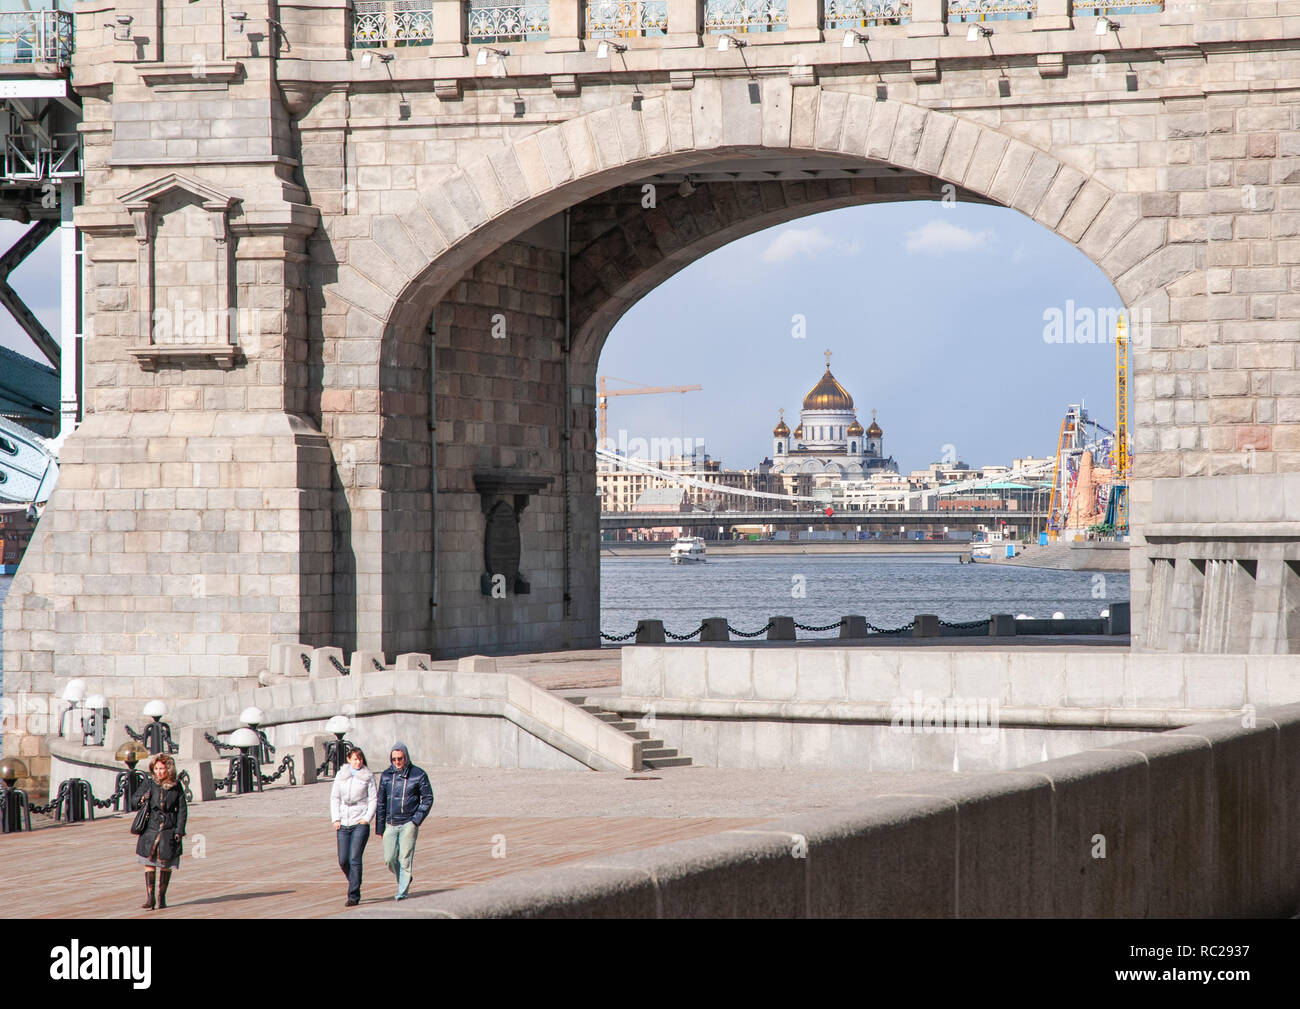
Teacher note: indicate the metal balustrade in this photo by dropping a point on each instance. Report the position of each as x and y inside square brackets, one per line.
[841, 14]
[28, 37]
[627, 18]
[991, 10]
[743, 16]
[394, 23]
[390, 23]
[503, 21]
[1082, 10]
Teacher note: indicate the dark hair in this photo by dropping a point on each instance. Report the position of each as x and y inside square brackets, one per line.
[357, 750]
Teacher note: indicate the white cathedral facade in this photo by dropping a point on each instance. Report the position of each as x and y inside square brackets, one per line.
[829, 440]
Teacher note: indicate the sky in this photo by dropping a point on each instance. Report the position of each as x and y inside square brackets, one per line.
[37, 282]
[935, 315]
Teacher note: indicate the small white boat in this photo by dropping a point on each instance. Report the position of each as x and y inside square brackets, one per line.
[993, 545]
[687, 550]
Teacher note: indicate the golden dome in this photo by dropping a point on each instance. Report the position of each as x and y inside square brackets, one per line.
[855, 430]
[781, 430]
[828, 394]
[798, 432]
[874, 430]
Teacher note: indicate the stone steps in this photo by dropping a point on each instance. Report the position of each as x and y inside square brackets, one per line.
[654, 754]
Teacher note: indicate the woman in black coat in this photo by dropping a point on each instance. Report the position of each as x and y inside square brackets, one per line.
[159, 846]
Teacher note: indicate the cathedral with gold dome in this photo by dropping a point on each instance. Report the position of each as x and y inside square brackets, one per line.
[829, 440]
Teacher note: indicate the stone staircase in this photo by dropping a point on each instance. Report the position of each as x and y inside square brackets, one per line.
[654, 755]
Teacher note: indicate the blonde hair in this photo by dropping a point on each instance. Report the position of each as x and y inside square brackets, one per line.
[166, 761]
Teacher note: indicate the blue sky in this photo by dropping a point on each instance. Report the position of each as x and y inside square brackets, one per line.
[37, 282]
[935, 316]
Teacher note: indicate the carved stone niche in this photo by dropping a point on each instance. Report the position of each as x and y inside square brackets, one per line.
[503, 498]
[195, 261]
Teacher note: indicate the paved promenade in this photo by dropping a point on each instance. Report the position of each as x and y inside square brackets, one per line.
[272, 855]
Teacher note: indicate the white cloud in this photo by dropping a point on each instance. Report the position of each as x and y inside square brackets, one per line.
[805, 243]
[938, 237]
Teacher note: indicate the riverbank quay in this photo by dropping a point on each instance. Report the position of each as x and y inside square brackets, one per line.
[272, 854]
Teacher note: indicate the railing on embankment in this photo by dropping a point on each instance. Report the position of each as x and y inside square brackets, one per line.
[924, 625]
[1198, 822]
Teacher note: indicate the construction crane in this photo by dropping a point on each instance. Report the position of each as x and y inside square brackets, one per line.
[641, 390]
[1117, 508]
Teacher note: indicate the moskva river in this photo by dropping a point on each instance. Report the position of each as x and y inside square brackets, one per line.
[819, 589]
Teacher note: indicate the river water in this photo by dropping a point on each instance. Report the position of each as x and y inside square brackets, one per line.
[818, 590]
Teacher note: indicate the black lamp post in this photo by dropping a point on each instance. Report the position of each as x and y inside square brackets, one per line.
[336, 749]
[247, 772]
[129, 781]
[15, 814]
[158, 734]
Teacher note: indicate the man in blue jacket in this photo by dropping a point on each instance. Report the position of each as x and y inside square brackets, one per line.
[404, 800]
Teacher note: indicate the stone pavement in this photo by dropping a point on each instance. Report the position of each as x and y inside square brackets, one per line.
[272, 855]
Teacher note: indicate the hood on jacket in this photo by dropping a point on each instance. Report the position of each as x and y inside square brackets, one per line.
[401, 748]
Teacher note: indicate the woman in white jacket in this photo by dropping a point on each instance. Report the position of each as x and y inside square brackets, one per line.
[352, 807]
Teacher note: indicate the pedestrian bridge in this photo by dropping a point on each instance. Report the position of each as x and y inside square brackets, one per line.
[349, 268]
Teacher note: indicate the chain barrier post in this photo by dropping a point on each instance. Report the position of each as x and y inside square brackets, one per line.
[781, 629]
[1002, 625]
[853, 627]
[925, 625]
[714, 629]
[650, 632]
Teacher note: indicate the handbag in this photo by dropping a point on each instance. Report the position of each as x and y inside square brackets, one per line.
[141, 820]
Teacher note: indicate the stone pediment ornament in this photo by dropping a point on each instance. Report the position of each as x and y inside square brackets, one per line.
[218, 347]
[503, 497]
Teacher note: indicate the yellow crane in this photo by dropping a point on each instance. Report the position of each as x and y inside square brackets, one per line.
[1122, 461]
[641, 390]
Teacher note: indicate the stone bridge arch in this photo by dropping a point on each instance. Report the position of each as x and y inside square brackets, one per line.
[450, 245]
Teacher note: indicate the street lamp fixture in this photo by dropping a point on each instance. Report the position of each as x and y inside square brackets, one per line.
[481, 58]
[727, 41]
[602, 50]
[121, 30]
[852, 37]
[1105, 26]
[976, 32]
[239, 17]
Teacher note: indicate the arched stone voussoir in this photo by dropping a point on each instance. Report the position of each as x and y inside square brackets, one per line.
[497, 197]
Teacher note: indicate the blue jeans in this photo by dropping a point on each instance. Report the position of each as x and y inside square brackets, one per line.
[352, 843]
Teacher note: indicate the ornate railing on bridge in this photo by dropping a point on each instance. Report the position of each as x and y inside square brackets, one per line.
[36, 37]
[626, 18]
[390, 23]
[1088, 10]
[504, 21]
[841, 14]
[745, 16]
[991, 10]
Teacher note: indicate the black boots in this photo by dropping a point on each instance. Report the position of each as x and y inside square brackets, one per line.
[148, 884]
[164, 877]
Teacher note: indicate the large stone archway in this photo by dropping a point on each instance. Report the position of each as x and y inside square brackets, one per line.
[593, 168]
